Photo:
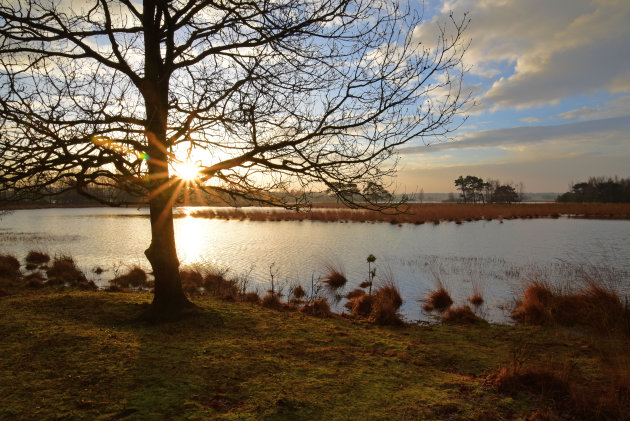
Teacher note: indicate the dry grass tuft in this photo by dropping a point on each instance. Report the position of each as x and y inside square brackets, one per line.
[461, 316]
[135, 277]
[386, 303]
[9, 267]
[216, 284]
[34, 280]
[251, 297]
[64, 270]
[362, 305]
[317, 308]
[298, 292]
[192, 281]
[476, 299]
[438, 300]
[355, 293]
[271, 301]
[335, 278]
[595, 306]
[37, 257]
[365, 284]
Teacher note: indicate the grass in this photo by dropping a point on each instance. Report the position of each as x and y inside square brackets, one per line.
[415, 213]
[77, 355]
[438, 299]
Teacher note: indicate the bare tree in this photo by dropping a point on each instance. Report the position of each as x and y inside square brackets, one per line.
[269, 97]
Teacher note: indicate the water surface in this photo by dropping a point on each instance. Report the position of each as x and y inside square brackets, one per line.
[493, 256]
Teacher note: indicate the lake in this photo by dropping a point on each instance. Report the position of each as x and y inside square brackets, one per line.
[495, 257]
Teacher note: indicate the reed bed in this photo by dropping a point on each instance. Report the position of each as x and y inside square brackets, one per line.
[435, 213]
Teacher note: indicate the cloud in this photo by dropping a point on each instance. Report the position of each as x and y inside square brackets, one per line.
[515, 137]
[547, 50]
[615, 108]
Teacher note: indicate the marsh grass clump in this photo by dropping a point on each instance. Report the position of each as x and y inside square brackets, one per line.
[216, 284]
[192, 281]
[34, 280]
[387, 301]
[355, 293]
[335, 278]
[37, 257]
[362, 305]
[461, 316]
[317, 308]
[135, 277]
[9, 267]
[595, 306]
[271, 301]
[251, 297]
[64, 270]
[438, 300]
[298, 292]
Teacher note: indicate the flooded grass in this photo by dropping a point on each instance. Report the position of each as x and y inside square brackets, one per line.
[415, 213]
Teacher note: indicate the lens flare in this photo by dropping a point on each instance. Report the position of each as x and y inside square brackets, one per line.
[186, 170]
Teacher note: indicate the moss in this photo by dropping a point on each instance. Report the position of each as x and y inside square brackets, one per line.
[80, 355]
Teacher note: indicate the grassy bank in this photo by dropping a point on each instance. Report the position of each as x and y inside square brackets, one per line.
[435, 213]
[70, 354]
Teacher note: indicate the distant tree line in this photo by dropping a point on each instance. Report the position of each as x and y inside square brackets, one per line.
[476, 190]
[599, 189]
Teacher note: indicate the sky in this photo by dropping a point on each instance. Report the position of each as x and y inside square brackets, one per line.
[551, 85]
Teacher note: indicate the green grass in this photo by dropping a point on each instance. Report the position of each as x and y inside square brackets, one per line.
[80, 355]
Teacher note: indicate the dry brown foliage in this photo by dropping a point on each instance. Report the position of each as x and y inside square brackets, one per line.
[271, 301]
[419, 213]
[317, 308]
[9, 266]
[385, 305]
[355, 293]
[63, 270]
[438, 299]
[135, 277]
[461, 316]
[594, 306]
[37, 257]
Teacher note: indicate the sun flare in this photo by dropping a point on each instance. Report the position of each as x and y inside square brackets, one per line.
[186, 170]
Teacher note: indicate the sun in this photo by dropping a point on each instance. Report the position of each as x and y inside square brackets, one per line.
[186, 170]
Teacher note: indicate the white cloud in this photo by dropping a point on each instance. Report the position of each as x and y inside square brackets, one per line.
[592, 131]
[615, 108]
[555, 48]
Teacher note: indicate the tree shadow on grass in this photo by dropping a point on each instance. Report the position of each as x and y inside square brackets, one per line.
[111, 310]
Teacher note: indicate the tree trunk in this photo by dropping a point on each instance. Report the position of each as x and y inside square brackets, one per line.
[169, 300]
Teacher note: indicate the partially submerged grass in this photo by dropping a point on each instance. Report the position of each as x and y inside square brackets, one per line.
[37, 257]
[463, 315]
[76, 355]
[416, 213]
[593, 306]
[64, 270]
[135, 277]
[335, 278]
[438, 299]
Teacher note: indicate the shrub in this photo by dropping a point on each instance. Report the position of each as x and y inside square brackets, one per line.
[438, 299]
[135, 277]
[9, 266]
[37, 257]
[461, 316]
[317, 308]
